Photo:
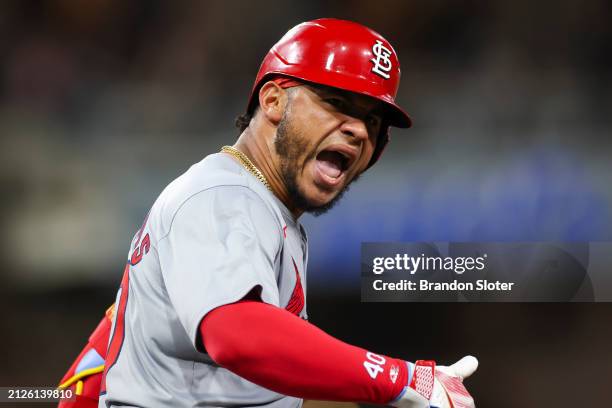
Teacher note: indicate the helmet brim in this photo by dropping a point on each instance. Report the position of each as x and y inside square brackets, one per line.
[394, 115]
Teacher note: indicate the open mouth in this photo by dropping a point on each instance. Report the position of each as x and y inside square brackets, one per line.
[332, 163]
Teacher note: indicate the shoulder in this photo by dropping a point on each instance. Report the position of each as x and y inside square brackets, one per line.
[214, 170]
[217, 190]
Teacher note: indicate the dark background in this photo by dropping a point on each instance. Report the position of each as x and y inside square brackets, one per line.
[102, 103]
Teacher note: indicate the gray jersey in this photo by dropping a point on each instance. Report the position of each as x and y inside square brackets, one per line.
[212, 236]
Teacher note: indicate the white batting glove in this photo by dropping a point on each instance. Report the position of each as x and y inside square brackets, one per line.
[438, 387]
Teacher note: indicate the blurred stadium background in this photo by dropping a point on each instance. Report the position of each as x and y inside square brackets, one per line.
[103, 102]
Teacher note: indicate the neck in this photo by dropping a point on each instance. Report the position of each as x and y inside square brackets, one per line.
[261, 152]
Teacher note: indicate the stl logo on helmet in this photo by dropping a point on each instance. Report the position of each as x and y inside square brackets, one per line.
[382, 63]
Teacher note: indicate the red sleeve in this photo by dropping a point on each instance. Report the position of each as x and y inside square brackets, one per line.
[279, 351]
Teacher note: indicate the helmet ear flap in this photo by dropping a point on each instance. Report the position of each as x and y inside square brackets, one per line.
[381, 142]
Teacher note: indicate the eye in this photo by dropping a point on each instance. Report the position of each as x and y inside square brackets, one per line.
[373, 121]
[336, 102]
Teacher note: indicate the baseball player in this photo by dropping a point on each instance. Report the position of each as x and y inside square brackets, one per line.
[211, 310]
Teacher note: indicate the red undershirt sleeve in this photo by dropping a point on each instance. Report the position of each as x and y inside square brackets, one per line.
[279, 351]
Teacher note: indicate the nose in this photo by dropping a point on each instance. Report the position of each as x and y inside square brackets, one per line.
[356, 128]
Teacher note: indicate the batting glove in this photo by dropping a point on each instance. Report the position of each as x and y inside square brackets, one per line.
[437, 387]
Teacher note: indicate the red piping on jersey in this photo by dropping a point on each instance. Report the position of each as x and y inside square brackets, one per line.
[296, 302]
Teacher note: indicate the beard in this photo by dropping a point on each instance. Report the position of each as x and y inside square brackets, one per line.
[290, 146]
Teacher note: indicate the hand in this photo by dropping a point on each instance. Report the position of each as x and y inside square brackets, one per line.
[438, 387]
[448, 390]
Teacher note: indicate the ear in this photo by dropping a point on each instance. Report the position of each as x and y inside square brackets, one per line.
[272, 101]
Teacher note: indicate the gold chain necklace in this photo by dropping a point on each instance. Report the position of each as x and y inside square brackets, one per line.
[247, 164]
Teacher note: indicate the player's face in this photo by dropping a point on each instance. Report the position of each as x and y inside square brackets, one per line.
[324, 141]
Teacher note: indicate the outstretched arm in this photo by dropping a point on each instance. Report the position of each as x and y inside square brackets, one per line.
[279, 351]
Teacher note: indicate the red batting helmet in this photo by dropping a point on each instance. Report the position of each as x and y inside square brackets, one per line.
[340, 54]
